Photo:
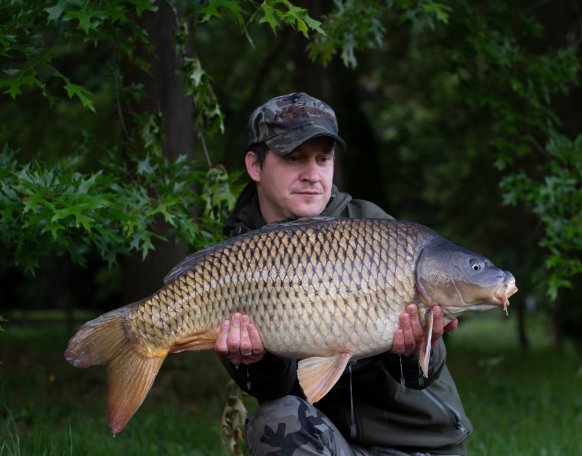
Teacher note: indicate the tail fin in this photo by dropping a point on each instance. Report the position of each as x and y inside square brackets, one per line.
[131, 373]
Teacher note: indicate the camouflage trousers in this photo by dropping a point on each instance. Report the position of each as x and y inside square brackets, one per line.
[290, 426]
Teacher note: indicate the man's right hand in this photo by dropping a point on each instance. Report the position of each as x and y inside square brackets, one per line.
[239, 341]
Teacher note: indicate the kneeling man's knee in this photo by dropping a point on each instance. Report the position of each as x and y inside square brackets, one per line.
[290, 423]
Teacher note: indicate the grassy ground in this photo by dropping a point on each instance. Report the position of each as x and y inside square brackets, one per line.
[520, 403]
[48, 407]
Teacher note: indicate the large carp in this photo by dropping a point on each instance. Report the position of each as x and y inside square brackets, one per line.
[324, 291]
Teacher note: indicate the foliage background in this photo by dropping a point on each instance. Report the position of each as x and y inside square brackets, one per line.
[124, 128]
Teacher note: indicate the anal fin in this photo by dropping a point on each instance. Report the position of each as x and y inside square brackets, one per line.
[318, 374]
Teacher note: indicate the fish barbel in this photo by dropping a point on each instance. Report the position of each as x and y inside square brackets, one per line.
[323, 291]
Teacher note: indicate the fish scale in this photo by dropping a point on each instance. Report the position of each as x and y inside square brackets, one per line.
[323, 291]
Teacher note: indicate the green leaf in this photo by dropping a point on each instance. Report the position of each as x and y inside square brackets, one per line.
[55, 12]
[84, 96]
[195, 71]
[86, 184]
[314, 25]
[142, 6]
[439, 10]
[54, 229]
[89, 19]
[19, 79]
[215, 8]
[269, 17]
[144, 166]
[84, 220]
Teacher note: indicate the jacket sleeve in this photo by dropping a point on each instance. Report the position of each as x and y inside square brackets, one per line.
[407, 371]
[270, 378]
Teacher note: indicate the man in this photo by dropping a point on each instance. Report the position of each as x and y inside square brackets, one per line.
[381, 405]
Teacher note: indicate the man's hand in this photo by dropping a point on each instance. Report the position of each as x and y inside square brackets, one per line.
[409, 336]
[239, 341]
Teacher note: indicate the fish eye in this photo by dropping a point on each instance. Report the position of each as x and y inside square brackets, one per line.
[476, 265]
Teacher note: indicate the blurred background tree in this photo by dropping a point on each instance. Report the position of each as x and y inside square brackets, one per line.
[124, 128]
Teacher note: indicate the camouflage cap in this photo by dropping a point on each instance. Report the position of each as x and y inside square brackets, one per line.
[286, 122]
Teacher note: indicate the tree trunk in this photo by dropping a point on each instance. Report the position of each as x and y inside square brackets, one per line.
[165, 95]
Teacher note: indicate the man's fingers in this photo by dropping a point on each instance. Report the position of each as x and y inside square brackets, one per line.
[256, 341]
[398, 343]
[408, 334]
[233, 339]
[245, 346]
[221, 345]
[415, 322]
[452, 326]
[239, 340]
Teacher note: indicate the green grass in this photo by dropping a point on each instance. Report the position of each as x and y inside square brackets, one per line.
[48, 407]
[521, 403]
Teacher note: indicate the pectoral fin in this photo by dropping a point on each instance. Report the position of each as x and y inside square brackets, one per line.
[318, 374]
[426, 344]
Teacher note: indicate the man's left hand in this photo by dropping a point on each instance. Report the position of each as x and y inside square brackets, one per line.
[408, 337]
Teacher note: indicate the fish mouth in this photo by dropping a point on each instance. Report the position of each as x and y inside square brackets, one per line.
[504, 292]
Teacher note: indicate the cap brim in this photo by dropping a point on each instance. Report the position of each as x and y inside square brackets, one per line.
[282, 146]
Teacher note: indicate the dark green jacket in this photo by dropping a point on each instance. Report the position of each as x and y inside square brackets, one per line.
[394, 406]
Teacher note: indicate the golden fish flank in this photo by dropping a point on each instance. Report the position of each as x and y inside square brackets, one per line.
[323, 291]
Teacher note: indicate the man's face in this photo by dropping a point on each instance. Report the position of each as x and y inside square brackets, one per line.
[295, 185]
